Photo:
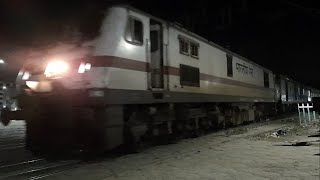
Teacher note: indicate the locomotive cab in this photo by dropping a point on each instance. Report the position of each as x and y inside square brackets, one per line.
[71, 96]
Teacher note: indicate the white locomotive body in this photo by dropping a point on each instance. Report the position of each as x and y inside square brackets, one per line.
[130, 71]
[142, 77]
[158, 64]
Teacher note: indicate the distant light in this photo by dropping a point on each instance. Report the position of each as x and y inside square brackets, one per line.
[1, 61]
[4, 87]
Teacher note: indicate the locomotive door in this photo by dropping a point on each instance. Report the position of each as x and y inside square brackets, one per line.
[156, 55]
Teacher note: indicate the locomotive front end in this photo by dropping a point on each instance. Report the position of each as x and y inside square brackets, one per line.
[54, 100]
[73, 96]
[45, 76]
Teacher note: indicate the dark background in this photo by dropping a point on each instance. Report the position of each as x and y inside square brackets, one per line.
[279, 34]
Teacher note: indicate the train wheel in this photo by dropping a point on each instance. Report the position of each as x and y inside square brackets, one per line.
[131, 144]
[179, 130]
[204, 125]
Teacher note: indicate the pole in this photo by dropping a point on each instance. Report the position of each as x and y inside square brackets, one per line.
[299, 113]
[304, 114]
[308, 112]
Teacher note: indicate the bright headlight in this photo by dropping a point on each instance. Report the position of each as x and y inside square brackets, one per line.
[56, 69]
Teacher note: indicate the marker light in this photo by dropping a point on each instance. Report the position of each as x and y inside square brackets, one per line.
[88, 66]
[84, 67]
[26, 76]
[32, 84]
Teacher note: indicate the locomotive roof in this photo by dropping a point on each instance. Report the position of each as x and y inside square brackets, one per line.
[179, 27]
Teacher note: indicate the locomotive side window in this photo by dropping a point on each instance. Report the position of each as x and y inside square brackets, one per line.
[189, 76]
[183, 45]
[194, 50]
[229, 66]
[266, 79]
[134, 31]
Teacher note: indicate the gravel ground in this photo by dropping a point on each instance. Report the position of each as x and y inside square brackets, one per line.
[248, 152]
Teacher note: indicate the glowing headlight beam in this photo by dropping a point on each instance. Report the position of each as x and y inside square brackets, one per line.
[56, 68]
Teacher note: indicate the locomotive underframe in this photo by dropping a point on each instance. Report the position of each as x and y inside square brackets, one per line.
[70, 119]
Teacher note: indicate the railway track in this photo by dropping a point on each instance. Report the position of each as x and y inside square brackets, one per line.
[11, 146]
[36, 169]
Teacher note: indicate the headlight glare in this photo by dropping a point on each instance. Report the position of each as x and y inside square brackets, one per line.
[56, 69]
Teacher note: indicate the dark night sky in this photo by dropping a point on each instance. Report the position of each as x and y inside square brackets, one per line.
[282, 35]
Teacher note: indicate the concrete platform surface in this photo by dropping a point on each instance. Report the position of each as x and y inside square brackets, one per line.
[248, 152]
